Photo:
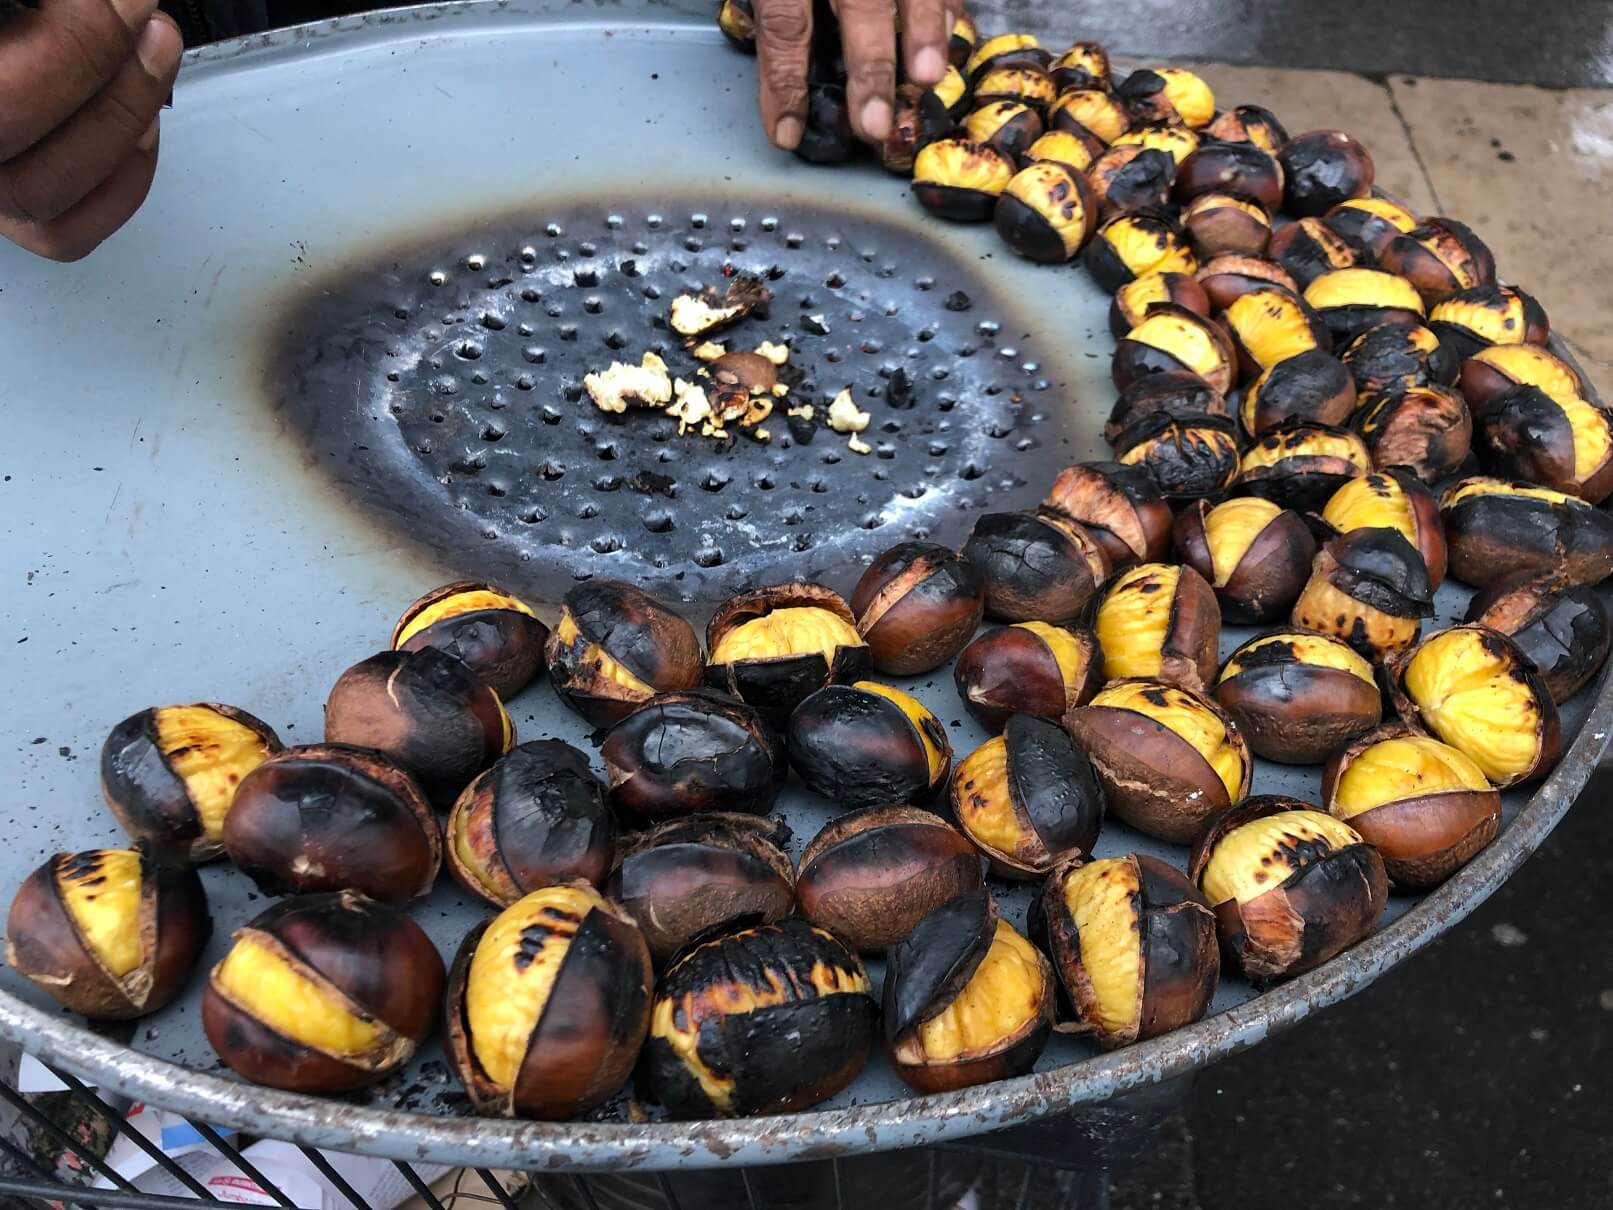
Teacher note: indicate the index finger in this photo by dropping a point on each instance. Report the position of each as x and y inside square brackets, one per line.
[55, 59]
[783, 48]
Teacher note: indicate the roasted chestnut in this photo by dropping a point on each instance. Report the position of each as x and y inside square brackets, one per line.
[615, 647]
[961, 43]
[323, 993]
[737, 20]
[1084, 65]
[1178, 142]
[1188, 456]
[1256, 555]
[1168, 95]
[1269, 325]
[1094, 110]
[1422, 804]
[772, 647]
[864, 744]
[1134, 945]
[870, 876]
[495, 633]
[1047, 213]
[1228, 278]
[919, 116]
[1392, 499]
[1167, 757]
[953, 91]
[1290, 886]
[1005, 50]
[169, 773]
[1495, 528]
[769, 1018]
[1370, 588]
[1134, 300]
[1564, 443]
[111, 934]
[967, 999]
[684, 877]
[1006, 125]
[1120, 507]
[426, 710]
[1398, 355]
[1028, 798]
[1492, 372]
[548, 1004]
[1368, 224]
[1299, 696]
[916, 606]
[1222, 224]
[1428, 430]
[328, 817]
[1161, 622]
[1349, 301]
[1127, 180]
[960, 180]
[1563, 630]
[1027, 668]
[1182, 396]
[1029, 86]
[1473, 320]
[1299, 464]
[1040, 567]
[536, 818]
[1249, 124]
[1440, 257]
[826, 137]
[1475, 689]
[1171, 339]
[1308, 248]
[1312, 386]
[1241, 170]
[1128, 246]
[1075, 150]
[686, 753]
[1321, 169]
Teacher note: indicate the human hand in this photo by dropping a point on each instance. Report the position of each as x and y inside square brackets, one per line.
[82, 83]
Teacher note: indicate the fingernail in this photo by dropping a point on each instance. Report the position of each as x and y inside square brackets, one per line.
[149, 139]
[787, 134]
[876, 117]
[159, 47]
[928, 66]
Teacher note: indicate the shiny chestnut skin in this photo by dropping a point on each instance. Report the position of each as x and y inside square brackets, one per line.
[863, 744]
[961, 180]
[330, 817]
[496, 633]
[426, 710]
[573, 972]
[1028, 668]
[1268, 325]
[801, 1027]
[1256, 555]
[919, 118]
[1298, 696]
[73, 899]
[916, 606]
[1223, 224]
[687, 753]
[1293, 887]
[1368, 224]
[1308, 248]
[1143, 962]
[1134, 300]
[1349, 301]
[1492, 372]
[1008, 126]
[169, 773]
[1470, 321]
[615, 647]
[1084, 65]
[1562, 629]
[1398, 355]
[1393, 499]
[685, 877]
[1440, 257]
[1131, 245]
[364, 961]
[772, 647]
[1321, 169]
[1036, 566]
[1369, 587]
[1299, 464]
[1119, 506]
[538, 817]
[1188, 456]
[1241, 169]
[1495, 528]
[1249, 124]
[1047, 213]
[1313, 386]
[1427, 429]
[1566, 444]
[1172, 339]
[1179, 394]
[1228, 278]
[1161, 621]
[871, 875]
[1131, 180]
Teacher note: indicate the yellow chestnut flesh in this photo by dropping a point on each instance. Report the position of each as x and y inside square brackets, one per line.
[1482, 485]
[1177, 141]
[1394, 770]
[1179, 336]
[1318, 651]
[1068, 653]
[1531, 365]
[1181, 713]
[1265, 853]
[1469, 696]
[1103, 898]
[1139, 246]
[293, 1003]
[1271, 331]
[796, 630]
[1317, 443]
[210, 752]
[1363, 287]
[456, 605]
[1592, 438]
[1061, 147]
[986, 806]
[1231, 528]
[923, 720]
[101, 892]
[1188, 92]
[1095, 110]
[1133, 618]
[566, 633]
[1372, 502]
[1001, 998]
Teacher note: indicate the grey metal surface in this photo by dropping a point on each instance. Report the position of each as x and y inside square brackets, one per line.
[173, 537]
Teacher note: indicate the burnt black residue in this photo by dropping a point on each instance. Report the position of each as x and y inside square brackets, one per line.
[438, 383]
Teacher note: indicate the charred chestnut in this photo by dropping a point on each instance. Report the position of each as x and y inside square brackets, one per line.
[1093, 110]
[1188, 456]
[961, 43]
[1290, 886]
[1313, 386]
[169, 773]
[687, 753]
[1566, 444]
[1321, 169]
[1249, 124]
[1423, 805]
[1299, 696]
[1178, 142]
[1027, 668]
[1228, 278]
[919, 117]
[1349, 301]
[1134, 300]
[1392, 499]
[1223, 224]
[1047, 213]
[1241, 170]
[916, 606]
[1368, 224]
[1036, 566]
[548, 1004]
[111, 934]
[1127, 180]
[1255, 555]
[615, 647]
[1084, 65]
[1440, 257]
[536, 818]
[1299, 464]
[1472, 320]
[772, 647]
[1495, 528]
[826, 137]
[1425, 429]
[960, 180]
[1563, 630]
[328, 817]
[1134, 945]
[1308, 248]
[764, 1019]
[323, 993]
[954, 94]
[1492, 372]
[1028, 86]
[1167, 95]
[1160, 622]
[496, 634]
[870, 876]
[1075, 150]
[1120, 507]
[427, 711]
[1269, 325]
[685, 877]
[1171, 339]
[1398, 355]
[864, 744]
[1370, 588]
[1182, 396]
[1028, 798]
[967, 999]
[1167, 757]
[1133, 245]
[1005, 50]
[1008, 126]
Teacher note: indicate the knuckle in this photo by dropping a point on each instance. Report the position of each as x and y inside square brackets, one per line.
[784, 24]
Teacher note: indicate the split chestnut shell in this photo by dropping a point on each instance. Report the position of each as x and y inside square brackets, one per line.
[1240, 169]
[1171, 339]
[1370, 588]
[1562, 443]
[1491, 373]
[1496, 528]
[1308, 248]
[1369, 223]
[1180, 397]
[1030, 668]
[1321, 169]
[1470, 321]
[1398, 355]
[1299, 464]
[1161, 622]
[615, 647]
[1188, 456]
[1046, 213]
[773, 647]
[1121, 507]
[1441, 257]
[1268, 325]
[1128, 246]
[961, 180]
[496, 633]
[1312, 386]
[864, 744]
[1299, 696]
[1224, 224]
[916, 606]
[1426, 429]
[1393, 499]
[1255, 555]
[1350, 301]
[1134, 300]
[1562, 629]
[1036, 566]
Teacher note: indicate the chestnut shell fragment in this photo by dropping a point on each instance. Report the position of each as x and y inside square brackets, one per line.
[776, 684]
[1121, 507]
[1293, 711]
[1493, 534]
